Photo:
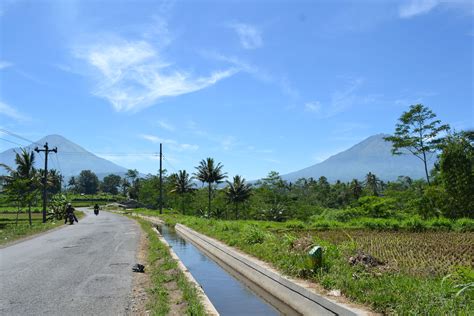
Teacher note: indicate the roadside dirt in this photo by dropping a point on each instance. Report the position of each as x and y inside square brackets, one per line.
[141, 281]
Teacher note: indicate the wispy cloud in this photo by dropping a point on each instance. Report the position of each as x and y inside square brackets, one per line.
[417, 7]
[250, 36]
[165, 125]
[11, 112]
[340, 100]
[5, 64]
[412, 8]
[257, 72]
[132, 75]
[172, 144]
[314, 106]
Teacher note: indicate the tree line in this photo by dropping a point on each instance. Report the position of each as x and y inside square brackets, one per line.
[447, 190]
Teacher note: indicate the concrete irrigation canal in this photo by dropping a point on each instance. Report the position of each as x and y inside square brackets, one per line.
[237, 284]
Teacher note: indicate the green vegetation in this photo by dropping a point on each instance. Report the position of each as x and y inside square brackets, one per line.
[16, 226]
[409, 278]
[164, 270]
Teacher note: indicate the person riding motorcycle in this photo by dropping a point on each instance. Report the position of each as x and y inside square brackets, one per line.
[96, 209]
[70, 214]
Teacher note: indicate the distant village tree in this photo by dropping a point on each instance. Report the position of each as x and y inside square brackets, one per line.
[88, 182]
[111, 184]
[417, 132]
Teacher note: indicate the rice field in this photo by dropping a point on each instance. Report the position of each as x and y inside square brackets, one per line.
[416, 253]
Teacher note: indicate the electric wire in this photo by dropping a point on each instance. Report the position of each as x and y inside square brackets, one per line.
[18, 136]
[11, 142]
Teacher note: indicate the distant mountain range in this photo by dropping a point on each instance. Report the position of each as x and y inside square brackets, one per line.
[371, 155]
[71, 158]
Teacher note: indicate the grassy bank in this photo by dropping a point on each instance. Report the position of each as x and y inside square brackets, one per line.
[11, 229]
[164, 273]
[419, 273]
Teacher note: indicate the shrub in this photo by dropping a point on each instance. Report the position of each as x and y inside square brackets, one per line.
[295, 224]
[253, 235]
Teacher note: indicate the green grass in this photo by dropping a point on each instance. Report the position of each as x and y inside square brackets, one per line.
[385, 289]
[160, 261]
[10, 230]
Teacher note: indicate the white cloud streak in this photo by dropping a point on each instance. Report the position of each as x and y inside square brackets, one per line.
[412, 8]
[314, 106]
[340, 100]
[417, 7]
[166, 126]
[250, 37]
[132, 76]
[172, 144]
[5, 64]
[9, 111]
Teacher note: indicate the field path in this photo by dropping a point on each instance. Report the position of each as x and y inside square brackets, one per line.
[83, 269]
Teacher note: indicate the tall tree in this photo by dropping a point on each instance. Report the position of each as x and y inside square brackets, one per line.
[88, 182]
[210, 173]
[237, 192]
[356, 189]
[182, 186]
[111, 183]
[417, 132]
[23, 182]
[372, 183]
[133, 190]
[72, 184]
[457, 174]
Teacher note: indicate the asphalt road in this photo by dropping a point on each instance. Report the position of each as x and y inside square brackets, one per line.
[83, 269]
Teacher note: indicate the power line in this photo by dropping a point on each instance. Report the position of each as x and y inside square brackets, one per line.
[18, 136]
[169, 163]
[11, 142]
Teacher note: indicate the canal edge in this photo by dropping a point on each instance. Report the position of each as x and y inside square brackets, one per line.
[295, 294]
[207, 304]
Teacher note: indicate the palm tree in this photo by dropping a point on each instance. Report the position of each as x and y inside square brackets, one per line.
[182, 185]
[23, 182]
[372, 183]
[208, 172]
[356, 189]
[238, 192]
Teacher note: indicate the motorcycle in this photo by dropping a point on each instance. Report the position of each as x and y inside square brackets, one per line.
[70, 218]
[96, 211]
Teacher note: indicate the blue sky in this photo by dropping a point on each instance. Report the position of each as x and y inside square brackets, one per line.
[258, 85]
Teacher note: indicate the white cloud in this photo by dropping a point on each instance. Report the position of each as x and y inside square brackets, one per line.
[132, 76]
[250, 37]
[260, 74]
[172, 144]
[167, 126]
[313, 106]
[413, 8]
[5, 64]
[11, 112]
[417, 7]
[340, 100]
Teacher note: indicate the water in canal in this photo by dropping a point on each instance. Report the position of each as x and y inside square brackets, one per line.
[229, 296]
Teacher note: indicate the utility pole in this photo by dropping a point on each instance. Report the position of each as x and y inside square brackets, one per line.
[45, 178]
[161, 179]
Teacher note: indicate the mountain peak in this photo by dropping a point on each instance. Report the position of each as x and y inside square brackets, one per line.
[373, 154]
[70, 159]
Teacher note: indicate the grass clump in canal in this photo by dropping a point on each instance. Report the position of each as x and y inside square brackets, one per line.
[170, 292]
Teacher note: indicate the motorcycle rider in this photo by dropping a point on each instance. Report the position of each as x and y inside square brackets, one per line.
[96, 209]
[70, 212]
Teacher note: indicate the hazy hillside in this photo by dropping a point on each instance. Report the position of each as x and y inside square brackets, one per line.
[71, 158]
[372, 154]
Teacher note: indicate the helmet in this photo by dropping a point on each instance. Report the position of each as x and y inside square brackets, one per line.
[69, 204]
